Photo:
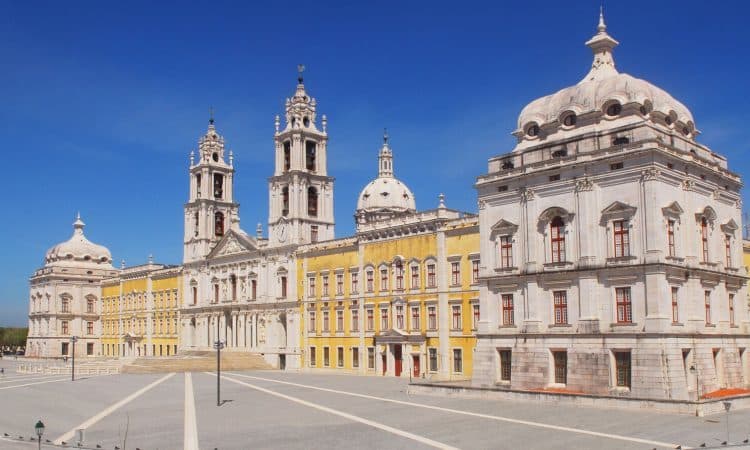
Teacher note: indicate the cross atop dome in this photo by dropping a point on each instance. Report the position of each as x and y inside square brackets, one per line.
[602, 45]
[385, 158]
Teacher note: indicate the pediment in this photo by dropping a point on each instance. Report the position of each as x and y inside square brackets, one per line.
[673, 209]
[618, 208]
[233, 243]
[504, 227]
[730, 227]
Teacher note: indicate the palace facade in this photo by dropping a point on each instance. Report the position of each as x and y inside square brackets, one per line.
[606, 258]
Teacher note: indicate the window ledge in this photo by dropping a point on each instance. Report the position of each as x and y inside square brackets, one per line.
[503, 383]
[710, 325]
[708, 264]
[624, 325]
[505, 269]
[560, 325]
[558, 265]
[678, 324]
[620, 260]
[676, 259]
[507, 326]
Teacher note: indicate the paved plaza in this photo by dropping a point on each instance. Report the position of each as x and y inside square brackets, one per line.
[272, 409]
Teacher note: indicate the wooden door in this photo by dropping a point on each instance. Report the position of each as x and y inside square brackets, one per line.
[397, 356]
[415, 365]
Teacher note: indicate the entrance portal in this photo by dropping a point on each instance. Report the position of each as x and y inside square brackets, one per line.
[415, 365]
[398, 359]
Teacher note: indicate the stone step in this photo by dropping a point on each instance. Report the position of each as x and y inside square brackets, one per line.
[194, 362]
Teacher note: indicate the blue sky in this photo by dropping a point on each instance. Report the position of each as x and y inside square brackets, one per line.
[103, 101]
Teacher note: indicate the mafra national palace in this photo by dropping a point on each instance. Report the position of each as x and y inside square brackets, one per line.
[606, 258]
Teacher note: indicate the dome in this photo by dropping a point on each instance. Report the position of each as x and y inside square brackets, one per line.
[78, 250]
[601, 88]
[385, 196]
[388, 194]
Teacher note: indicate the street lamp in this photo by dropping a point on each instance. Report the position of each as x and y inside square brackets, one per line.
[218, 345]
[39, 428]
[727, 407]
[694, 370]
[73, 340]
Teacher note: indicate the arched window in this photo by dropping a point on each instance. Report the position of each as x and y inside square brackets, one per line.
[65, 305]
[312, 202]
[195, 296]
[198, 185]
[233, 282]
[90, 305]
[557, 239]
[310, 150]
[285, 201]
[704, 239]
[399, 269]
[218, 185]
[196, 222]
[287, 156]
[219, 224]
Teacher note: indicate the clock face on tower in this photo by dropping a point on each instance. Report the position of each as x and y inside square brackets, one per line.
[281, 232]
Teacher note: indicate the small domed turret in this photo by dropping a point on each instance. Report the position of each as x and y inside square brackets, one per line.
[78, 251]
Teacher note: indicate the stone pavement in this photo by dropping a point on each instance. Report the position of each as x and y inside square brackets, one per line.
[272, 409]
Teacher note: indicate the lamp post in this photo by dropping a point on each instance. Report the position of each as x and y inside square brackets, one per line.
[73, 340]
[218, 345]
[727, 407]
[694, 370]
[39, 428]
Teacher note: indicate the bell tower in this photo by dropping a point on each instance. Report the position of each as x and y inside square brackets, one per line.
[300, 190]
[211, 210]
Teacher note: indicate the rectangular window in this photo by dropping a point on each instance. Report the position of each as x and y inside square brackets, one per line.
[455, 273]
[431, 282]
[90, 306]
[557, 239]
[675, 306]
[313, 363]
[560, 300]
[475, 315]
[370, 320]
[622, 238]
[355, 320]
[89, 327]
[415, 277]
[432, 317]
[371, 358]
[355, 357]
[383, 279]
[731, 310]
[670, 238]
[90, 349]
[326, 323]
[624, 306]
[370, 282]
[622, 369]
[64, 327]
[400, 317]
[728, 249]
[340, 320]
[325, 285]
[339, 284]
[432, 354]
[340, 356]
[561, 366]
[456, 317]
[508, 313]
[383, 319]
[475, 271]
[355, 282]
[399, 276]
[283, 287]
[326, 356]
[253, 289]
[64, 348]
[506, 252]
[704, 239]
[311, 287]
[505, 365]
[313, 233]
[415, 325]
[457, 361]
[707, 303]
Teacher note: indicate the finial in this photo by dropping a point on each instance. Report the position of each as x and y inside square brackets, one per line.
[277, 122]
[300, 69]
[385, 136]
[192, 158]
[441, 197]
[324, 122]
[122, 264]
[78, 215]
[150, 258]
[231, 157]
[602, 26]
[78, 224]
[210, 115]
[259, 231]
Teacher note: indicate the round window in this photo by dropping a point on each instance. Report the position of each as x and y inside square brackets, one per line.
[532, 130]
[216, 157]
[685, 131]
[569, 120]
[614, 110]
[668, 120]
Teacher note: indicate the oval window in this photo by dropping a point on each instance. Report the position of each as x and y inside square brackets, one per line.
[569, 120]
[668, 120]
[614, 110]
[532, 130]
